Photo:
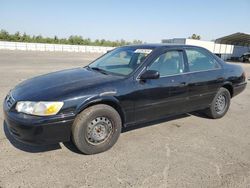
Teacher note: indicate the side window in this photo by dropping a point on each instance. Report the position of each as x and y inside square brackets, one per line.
[169, 63]
[200, 61]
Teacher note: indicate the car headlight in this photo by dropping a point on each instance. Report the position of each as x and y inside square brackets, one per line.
[39, 108]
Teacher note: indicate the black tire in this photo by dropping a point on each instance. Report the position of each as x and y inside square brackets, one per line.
[214, 111]
[82, 132]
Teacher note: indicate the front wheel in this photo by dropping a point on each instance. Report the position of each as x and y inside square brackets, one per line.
[96, 129]
[220, 104]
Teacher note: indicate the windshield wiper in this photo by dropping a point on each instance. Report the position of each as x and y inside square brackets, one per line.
[98, 69]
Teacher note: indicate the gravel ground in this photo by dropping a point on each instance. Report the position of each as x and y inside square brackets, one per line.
[185, 151]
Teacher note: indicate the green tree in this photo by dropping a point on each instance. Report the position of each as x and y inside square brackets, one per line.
[39, 39]
[137, 42]
[56, 39]
[196, 37]
[73, 39]
[26, 38]
[17, 36]
[4, 35]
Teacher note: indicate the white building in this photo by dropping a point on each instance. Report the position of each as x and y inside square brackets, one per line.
[231, 46]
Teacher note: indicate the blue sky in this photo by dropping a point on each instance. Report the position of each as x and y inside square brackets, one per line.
[147, 20]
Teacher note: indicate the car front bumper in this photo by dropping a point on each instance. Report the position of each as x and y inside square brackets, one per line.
[38, 130]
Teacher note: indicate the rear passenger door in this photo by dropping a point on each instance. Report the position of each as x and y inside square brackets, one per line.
[205, 77]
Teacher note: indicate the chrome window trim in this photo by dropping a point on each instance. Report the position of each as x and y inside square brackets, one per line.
[189, 72]
[184, 73]
[137, 78]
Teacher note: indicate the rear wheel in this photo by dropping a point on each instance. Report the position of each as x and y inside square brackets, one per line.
[96, 129]
[220, 104]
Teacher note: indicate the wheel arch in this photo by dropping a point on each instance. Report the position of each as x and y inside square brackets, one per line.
[229, 87]
[108, 100]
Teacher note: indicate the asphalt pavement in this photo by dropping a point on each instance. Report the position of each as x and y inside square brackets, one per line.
[185, 151]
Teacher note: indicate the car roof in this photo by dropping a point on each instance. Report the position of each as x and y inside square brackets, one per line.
[161, 45]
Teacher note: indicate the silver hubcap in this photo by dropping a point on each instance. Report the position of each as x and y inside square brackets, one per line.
[99, 130]
[220, 103]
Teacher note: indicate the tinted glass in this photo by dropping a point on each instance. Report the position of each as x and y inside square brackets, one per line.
[169, 63]
[199, 60]
[122, 60]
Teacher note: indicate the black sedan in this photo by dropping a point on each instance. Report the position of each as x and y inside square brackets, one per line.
[127, 86]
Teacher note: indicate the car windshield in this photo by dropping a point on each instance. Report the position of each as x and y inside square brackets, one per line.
[120, 61]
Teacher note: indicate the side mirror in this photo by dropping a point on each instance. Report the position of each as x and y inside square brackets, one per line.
[150, 74]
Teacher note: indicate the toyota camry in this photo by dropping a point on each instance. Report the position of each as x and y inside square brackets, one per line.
[126, 86]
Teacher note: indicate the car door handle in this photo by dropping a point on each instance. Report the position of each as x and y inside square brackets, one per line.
[219, 79]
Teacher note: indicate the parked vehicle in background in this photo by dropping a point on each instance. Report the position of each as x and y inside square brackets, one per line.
[245, 57]
[129, 85]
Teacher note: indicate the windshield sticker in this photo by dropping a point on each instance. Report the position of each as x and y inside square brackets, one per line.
[143, 51]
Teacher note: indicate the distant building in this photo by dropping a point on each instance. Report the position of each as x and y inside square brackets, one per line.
[227, 47]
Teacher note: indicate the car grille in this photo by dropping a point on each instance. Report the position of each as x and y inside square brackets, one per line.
[10, 101]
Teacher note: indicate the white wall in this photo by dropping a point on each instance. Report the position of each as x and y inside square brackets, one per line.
[205, 44]
[52, 47]
[226, 50]
[212, 46]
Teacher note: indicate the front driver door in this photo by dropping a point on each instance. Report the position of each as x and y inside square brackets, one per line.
[158, 98]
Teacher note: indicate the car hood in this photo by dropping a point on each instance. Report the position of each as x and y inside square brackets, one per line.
[55, 85]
